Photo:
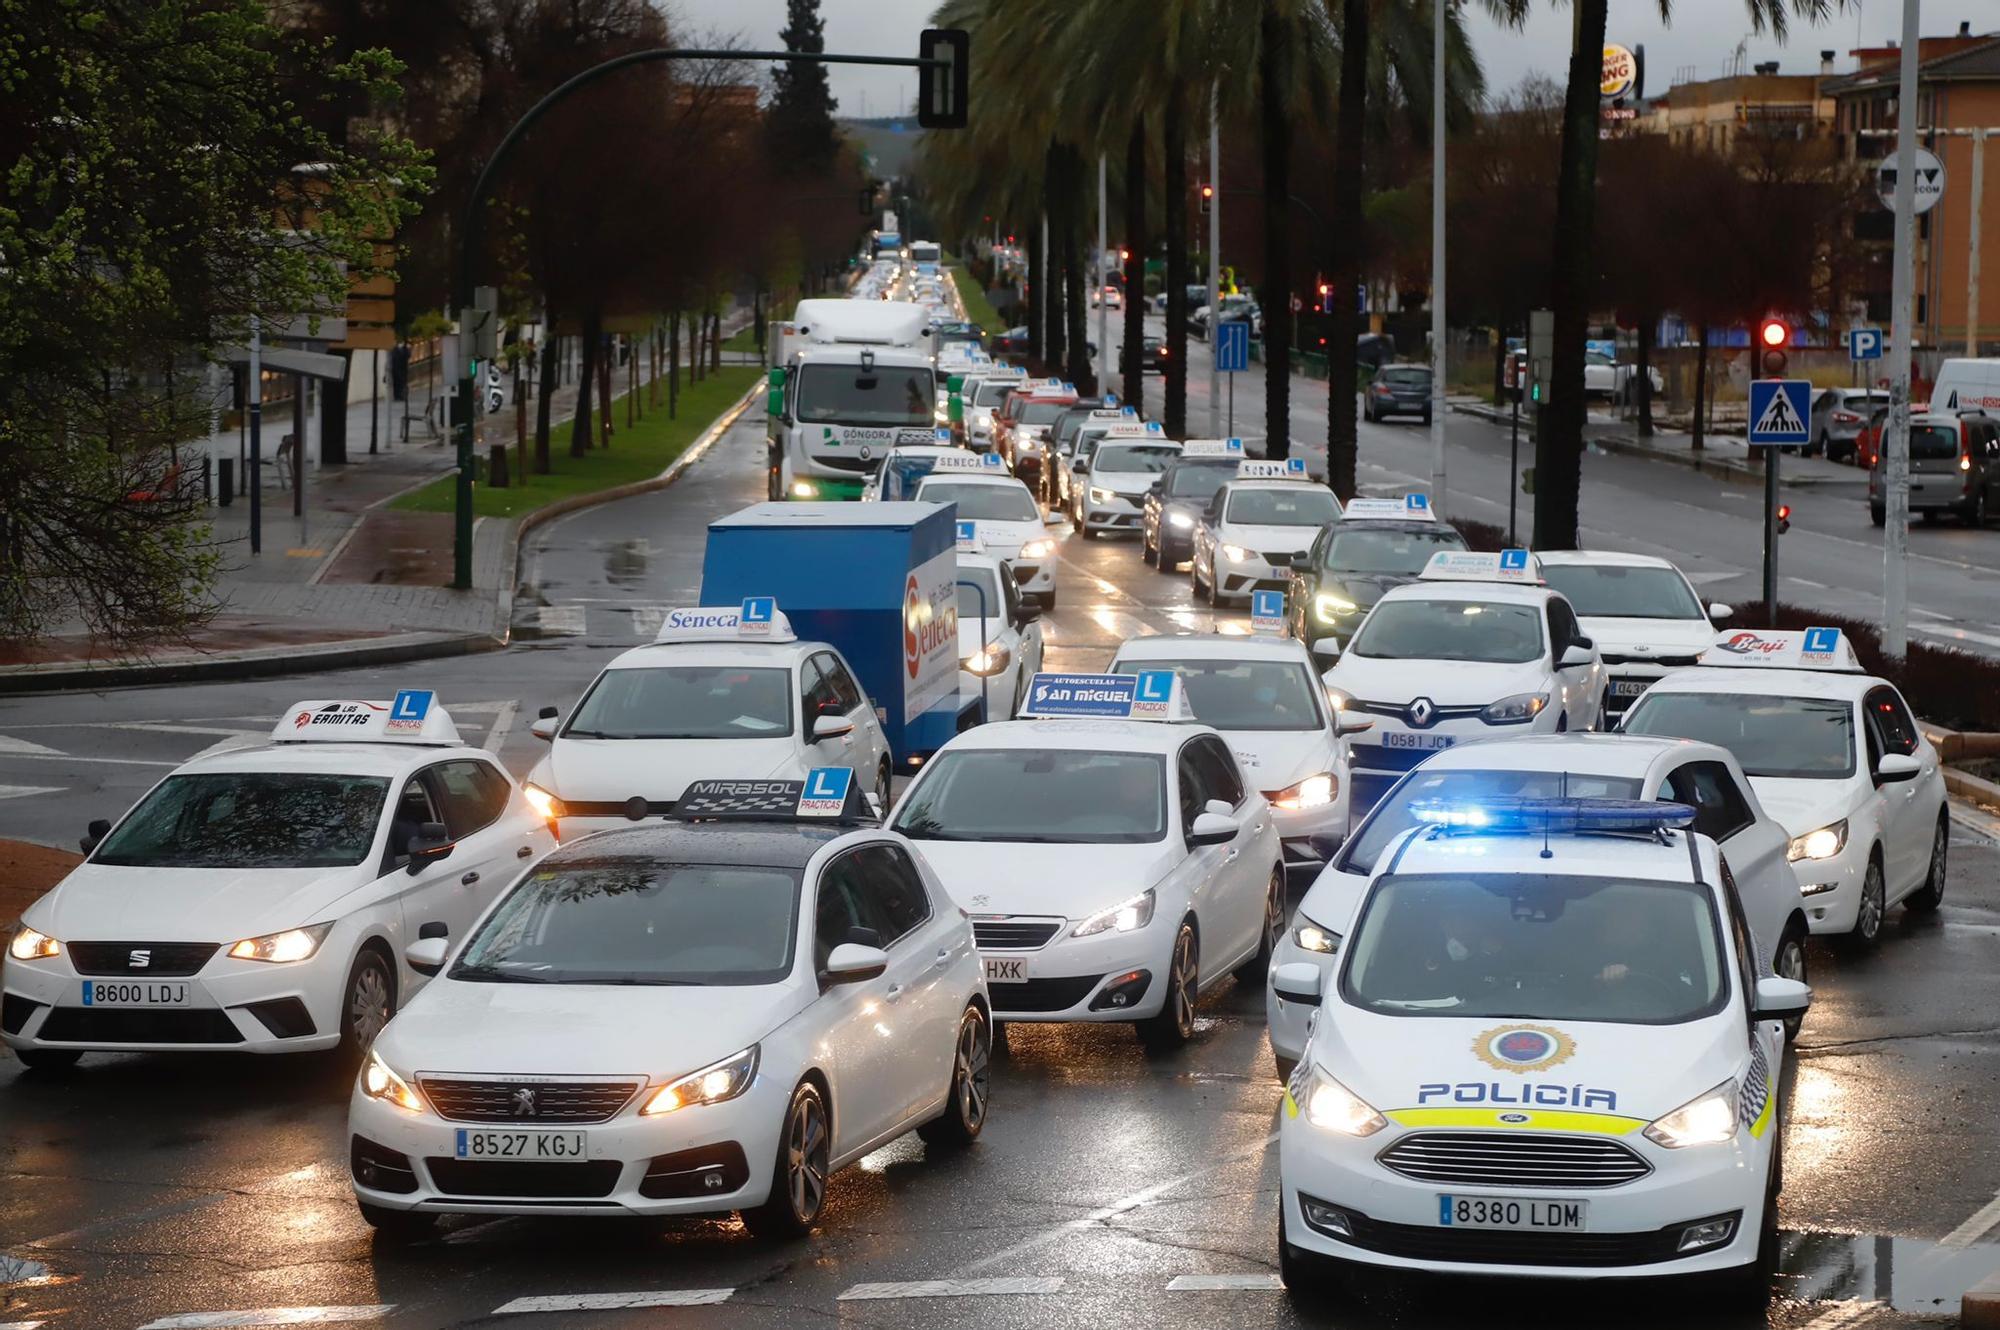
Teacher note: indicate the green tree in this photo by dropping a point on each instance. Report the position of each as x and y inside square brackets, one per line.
[800, 119]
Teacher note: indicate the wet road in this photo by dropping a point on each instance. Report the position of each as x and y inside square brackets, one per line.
[1110, 1187]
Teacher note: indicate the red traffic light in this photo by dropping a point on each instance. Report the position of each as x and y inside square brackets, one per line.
[1208, 191]
[1784, 518]
[1774, 332]
[1324, 289]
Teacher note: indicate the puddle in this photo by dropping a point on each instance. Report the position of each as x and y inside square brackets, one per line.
[625, 561]
[1906, 1274]
[17, 1271]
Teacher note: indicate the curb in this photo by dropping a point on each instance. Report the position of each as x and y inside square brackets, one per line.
[1981, 1308]
[1722, 468]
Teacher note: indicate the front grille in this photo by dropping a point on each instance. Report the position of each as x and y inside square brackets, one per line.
[163, 960]
[1374, 757]
[1424, 1242]
[1041, 994]
[1514, 1159]
[1014, 934]
[554, 1101]
[1664, 662]
[847, 463]
[1280, 558]
[1399, 710]
[613, 808]
[106, 1025]
[502, 1177]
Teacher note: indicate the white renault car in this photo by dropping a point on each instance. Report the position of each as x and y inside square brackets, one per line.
[1007, 521]
[1263, 695]
[718, 693]
[1642, 613]
[710, 1014]
[1599, 766]
[1547, 1053]
[1111, 488]
[1836, 756]
[258, 901]
[1256, 527]
[999, 637]
[1116, 867]
[1477, 648]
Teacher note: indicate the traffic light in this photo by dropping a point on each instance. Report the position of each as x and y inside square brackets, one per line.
[1326, 297]
[1784, 518]
[1774, 335]
[1207, 197]
[1124, 255]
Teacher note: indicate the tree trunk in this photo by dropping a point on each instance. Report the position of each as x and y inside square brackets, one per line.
[607, 352]
[758, 332]
[1275, 290]
[1037, 289]
[551, 354]
[580, 422]
[1699, 430]
[673, 365]
[1174, 152]
[1061, 200]
[715, 343]
[1643, 385]
[1343, 327]
[521, 419]
[1076, 307]
[1559, 451]
[1135, 265]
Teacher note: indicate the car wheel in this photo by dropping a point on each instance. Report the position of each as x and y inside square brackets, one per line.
[1975, 512]
[1174, 1026]
[883, 786]
[1878, 516]
[965, 1108]
[1308, 1277]
[49, 1059]
[398, 1225]
[1868, 916]
[1087, 532]
[367, 1004]
[1148, 551]
[1253, 970]
[1790, 963]
[798, 1177]
[1213, 593]
[1427, 419]
[1926, 899]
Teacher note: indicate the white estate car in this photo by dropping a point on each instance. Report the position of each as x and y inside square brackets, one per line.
[682, 1019]
[1642, 613]
[718, 693]
[1546, 1052]
[1600, 766]
[1263, 695]
[258, 901]
[1115, 866]
[1110, 487]
[1255, 527]
[1007, 522]
[999, 637]
[1477, 648]
[1836, 756]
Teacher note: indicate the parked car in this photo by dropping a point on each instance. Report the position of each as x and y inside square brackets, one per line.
[1197, 296]
[1233, 309]
[1954, 467]
[1374, 350]
[1013, 342]
[1604, 376]
[1838, 417]
[1398, 390]
[1152, 355]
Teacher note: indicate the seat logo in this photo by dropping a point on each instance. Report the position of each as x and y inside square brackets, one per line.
[524, 1102]
[139, 958]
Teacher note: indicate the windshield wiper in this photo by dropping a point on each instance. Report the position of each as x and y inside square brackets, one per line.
[488, 974]
[592, 734]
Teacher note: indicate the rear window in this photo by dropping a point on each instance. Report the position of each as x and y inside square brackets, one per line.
[1407, 377]
[1933, 443]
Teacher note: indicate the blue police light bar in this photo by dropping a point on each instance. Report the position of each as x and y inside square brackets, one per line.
[1552, 816]
[828, 795]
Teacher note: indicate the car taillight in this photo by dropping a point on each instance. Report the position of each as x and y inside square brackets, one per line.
[1846, 417]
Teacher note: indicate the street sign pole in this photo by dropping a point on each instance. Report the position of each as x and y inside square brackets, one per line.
[1771, 537]
[1780, 410]
[1514, 456]
[1103, 305]
[1214, 251]
[1896, 431]
[1439, 358]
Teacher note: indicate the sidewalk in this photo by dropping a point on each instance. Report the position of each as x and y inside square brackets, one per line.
[350, 582]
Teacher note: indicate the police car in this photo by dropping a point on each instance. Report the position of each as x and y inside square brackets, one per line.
[1115, 867]
[999, 636]
[1009, 525]
[258, 901]
[1174, 504]
[1836, 756]
[1377, 544]
[1263, 695]
[1642, 613]
[717, 693]
[1546, 1051]
[709, 1014]
[1478, 648]
[1110, 487]
[1610, 766]
[1256, 527]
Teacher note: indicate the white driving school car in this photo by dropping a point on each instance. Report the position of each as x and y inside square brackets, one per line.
[257, 901]
[1115, 863]
[1255, 527]
[1007, 522]
[999, 636]
[709, 1014]
[717, 693]
[1546, 1052]
[1642, 612]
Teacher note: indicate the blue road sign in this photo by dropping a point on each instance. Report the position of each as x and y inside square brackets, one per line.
[1864, 344]
[1232, 347]
[1779, 409]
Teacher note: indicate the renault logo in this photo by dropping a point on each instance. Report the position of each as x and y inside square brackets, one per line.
[524, 1102]
[139, 958]
[1422, 712]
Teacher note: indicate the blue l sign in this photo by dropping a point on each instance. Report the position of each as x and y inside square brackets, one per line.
[759, 609]
[1232, 347]
[411, 704]
[1156, 686]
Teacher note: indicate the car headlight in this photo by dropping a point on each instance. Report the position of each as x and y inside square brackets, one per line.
[1038, 549]
[1120, 918]
[378, 1082]
[804, 489]
[711, 1085]
[1330, 607]
[1235, 553]
[988, 661]
[1312, 937]
[1515, 710]
[1180, 521]
[294, 944]
[1331, 1106]
[1821, 844]
[29, 945]
[1102, 495]
[1709, 1120]
[1312, 792]
[546, 805]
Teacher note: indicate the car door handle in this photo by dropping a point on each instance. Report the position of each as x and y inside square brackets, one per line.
[470, 879]
[524, 851]
[943, 957]
[895, 991]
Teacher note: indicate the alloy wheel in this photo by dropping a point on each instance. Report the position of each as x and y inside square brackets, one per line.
[369, 1005]
[805, 1156]
[974, 1060]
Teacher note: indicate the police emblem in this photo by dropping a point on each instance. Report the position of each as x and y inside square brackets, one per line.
[1522, 1048]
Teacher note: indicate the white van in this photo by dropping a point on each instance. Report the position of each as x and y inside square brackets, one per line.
[1967, 385]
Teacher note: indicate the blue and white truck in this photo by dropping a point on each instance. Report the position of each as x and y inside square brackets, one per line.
[850, 379]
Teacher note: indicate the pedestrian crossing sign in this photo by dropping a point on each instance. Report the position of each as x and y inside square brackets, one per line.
[1778, 411]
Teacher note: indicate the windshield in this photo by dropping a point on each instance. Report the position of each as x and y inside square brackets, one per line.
[1150, 458]
[243, 819]
[1608, 591]
[685, 702]
[1243, 694]
[1451, 630]
[1042, 413]
[1933, 443]
[924, 254]
[888, 395]
[1368, 551]
[981, 579]
[1395, 814]
[1049, 796]
[1801, 737]
[1294, 505]
[1529, 946]
[992, 393]
[1407, 378]
[638, 921]
[1198, 482]
[982, 503]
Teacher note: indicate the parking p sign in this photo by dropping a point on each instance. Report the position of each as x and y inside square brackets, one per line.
[1864, 344]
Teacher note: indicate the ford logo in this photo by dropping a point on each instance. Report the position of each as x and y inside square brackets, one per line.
[1514, 1119]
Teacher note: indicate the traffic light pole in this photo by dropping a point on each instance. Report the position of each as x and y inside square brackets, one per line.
[1771, 537]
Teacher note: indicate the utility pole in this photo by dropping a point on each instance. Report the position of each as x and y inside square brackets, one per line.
[1214, 263]
[1103, 306]
[1896, 435]
[253, 396]
[1972, 248]
[1438, 356]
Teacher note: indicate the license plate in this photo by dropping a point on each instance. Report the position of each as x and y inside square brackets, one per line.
[131, 993]
[1422, 742]
[1628, 687]
[1005, 972]
[530, 1146]
[1537, 1215]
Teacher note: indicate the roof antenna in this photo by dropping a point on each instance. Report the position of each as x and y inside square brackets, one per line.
[1546, 852]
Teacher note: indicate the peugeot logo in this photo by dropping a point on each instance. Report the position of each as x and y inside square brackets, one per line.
[139, 958]
[1422, 712]
[524, 1102]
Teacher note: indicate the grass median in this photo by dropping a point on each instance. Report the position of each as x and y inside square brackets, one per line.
[637, 452]
[977, 307]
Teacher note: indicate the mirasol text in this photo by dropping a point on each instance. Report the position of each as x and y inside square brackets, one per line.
[1541, 1096]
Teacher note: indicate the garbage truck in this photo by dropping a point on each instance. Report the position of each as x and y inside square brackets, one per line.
[850, 379]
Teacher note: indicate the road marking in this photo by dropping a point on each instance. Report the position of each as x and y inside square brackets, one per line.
[605, 1302]
[1266, 1282]
[1975, 1228]
[1956, 634]
[20, 1325]
[26, 791]
[272, 1316]
[13, 747]
[502, 725]
[953, 1288]
[561, 620]
[646, 621]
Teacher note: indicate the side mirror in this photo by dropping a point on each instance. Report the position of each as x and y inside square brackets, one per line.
[1347, 722]
[434, 928]
[1026, 614]
[1326, 650]
[1897, 767]
[1298, 981]
[1326, 844]
[1052, 519]
[544, 727]
[1717, 611]
[1576, 653]
[1213, 829]
[426, 954]
[852, 963]
[831, 727]
[431, 843]
[1779, 998]
[99, 828]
